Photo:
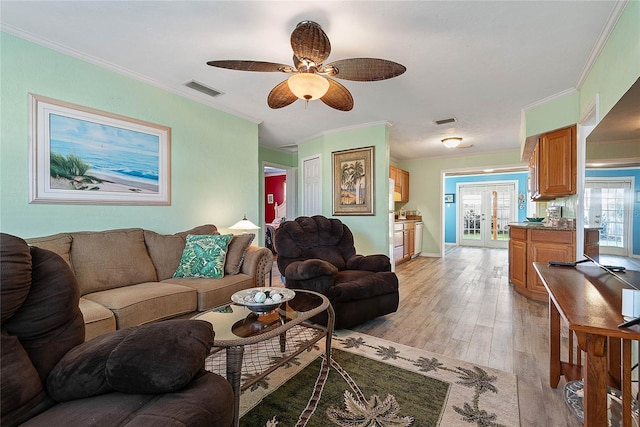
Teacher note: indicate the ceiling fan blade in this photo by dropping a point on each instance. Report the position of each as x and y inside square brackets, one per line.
[364, 69]
[309, 41]
[281, 96]
[252, 66]
[338, 97]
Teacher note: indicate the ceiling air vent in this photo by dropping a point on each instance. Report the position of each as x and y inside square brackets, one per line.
[445, 121]
[204, 89]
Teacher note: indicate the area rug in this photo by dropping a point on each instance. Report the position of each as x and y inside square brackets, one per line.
[371, 382]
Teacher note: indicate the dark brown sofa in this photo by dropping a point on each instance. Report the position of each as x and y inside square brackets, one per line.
[318, 254]
[150, 375]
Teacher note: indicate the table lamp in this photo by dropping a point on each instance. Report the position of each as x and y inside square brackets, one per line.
[245, 225]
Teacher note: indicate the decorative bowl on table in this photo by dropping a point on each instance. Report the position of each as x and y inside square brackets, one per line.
[262, 300]
[535, 219]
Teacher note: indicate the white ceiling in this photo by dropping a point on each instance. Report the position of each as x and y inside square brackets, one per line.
[479, 61]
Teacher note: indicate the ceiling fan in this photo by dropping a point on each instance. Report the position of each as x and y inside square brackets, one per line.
[310, 77]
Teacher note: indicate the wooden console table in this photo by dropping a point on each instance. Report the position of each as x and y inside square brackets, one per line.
[589, 300]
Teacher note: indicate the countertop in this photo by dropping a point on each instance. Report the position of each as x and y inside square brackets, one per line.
[545, 226]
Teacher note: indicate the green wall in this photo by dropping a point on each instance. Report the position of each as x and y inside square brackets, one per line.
[612, 74]
[214, 178]
[277, 157]
[617, 66]
[556, 114]
[371, 231]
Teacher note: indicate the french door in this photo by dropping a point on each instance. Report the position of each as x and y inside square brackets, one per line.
[607, 204]
[485, 210]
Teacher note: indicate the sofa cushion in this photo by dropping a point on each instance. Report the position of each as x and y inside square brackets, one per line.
[203, 256]
[15, 274]
[160, 358]
[40, 323]
[165, 250]
[157, 358]
[216, 292]
[236, 251]
[206, 402]
[111, 259]
[81, 372]
[98, 319]
[146, 302]
[59, 243]
[22, 392]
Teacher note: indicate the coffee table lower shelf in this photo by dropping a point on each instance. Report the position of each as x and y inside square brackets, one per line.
[236, 327]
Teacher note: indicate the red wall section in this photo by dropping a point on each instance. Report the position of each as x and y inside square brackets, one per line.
[273, 185]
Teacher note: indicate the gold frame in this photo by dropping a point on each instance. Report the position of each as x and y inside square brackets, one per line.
[353, 184]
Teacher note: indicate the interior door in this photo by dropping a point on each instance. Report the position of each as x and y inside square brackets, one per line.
[311, 186]
[485, 212]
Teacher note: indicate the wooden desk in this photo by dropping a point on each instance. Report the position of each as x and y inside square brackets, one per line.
[589, 299]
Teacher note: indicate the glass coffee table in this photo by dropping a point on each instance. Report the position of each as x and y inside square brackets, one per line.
[236, 326]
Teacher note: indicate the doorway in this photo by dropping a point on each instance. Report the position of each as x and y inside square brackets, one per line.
[607, 204]
[279, 198]
[485, 210]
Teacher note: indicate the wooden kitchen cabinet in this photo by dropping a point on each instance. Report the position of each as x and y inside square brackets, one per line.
[401, 183]
[518, 257]
[404, 180]
[553, 165]
[528, 245]
[409, 238]
[544, 246]
[592, 243]
[404, 241]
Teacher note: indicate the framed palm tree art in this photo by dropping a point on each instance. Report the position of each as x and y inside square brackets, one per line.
[353, 181]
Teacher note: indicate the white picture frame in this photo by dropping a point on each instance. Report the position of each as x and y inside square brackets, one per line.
[80, 155]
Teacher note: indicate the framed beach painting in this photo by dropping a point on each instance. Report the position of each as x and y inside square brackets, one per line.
[353, 182]
[80, 155]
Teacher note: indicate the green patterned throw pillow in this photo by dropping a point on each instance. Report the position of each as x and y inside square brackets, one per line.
[204, 256]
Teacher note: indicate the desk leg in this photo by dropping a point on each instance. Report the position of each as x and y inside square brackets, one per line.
[595, 379]
[234, 372]
[554, 345]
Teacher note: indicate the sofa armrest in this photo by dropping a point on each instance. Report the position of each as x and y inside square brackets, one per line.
[258, 261]
[375, 263]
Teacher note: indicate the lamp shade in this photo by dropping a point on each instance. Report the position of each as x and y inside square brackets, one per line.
[452, 142]
[244, 224]
[308, 86]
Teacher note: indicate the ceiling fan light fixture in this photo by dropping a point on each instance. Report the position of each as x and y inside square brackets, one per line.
[452, 142]
[308, 86]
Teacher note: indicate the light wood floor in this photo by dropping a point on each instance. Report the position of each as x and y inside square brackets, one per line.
[462, 306]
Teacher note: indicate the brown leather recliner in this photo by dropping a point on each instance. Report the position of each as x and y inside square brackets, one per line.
[145, 375]
[318, 254]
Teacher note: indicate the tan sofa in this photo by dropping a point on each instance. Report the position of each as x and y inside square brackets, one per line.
[126, 275]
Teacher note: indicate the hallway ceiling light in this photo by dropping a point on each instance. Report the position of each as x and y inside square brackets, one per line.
[452, 142]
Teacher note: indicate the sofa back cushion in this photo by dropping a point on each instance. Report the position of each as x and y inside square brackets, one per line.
[111, 259]
[315, 237]
[59, 243]
[165, 250]
[41, 321]
[236, 251]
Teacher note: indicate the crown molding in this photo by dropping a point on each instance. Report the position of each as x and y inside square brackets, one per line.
[614, 16]
[549, 99]
[65, 50]
[347, 128]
